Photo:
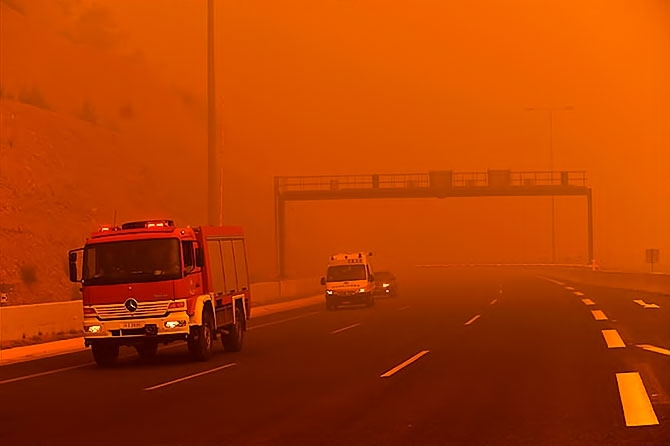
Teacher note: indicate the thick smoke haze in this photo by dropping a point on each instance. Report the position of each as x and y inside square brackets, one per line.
[361, 87]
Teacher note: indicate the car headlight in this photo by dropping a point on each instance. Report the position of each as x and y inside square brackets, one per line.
[362, 290]
[386, 285]
[329, 292]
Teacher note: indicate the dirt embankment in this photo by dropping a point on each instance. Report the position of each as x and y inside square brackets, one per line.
[84, 134]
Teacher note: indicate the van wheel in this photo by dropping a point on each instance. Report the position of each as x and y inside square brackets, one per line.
[105, 355]
[201, 338]
[232, 342]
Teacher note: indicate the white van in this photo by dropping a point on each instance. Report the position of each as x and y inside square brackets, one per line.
[349, 280]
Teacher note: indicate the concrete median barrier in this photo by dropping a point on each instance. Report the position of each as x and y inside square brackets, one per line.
[29, 322]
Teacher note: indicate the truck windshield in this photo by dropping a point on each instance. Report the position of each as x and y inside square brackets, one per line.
[131, 261]
[343, 273]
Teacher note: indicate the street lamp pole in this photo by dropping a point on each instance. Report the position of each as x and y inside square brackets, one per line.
[214, 201]
[551, 111]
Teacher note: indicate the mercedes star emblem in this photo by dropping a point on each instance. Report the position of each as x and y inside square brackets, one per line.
[131, 305]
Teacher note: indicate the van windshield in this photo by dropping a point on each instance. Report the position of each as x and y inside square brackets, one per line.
[341, 273]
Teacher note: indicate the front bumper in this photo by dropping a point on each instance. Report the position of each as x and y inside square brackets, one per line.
[174, 326]
[348, 299]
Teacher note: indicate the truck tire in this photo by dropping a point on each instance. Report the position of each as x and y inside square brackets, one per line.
[201, 338]
[147, 351]
[105, 355]
[232, 342]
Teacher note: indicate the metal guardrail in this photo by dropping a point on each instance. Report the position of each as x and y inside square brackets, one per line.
[443, 179]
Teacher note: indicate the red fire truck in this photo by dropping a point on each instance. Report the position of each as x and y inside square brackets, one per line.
[147, 283]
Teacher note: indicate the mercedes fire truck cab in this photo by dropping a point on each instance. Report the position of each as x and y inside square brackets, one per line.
[349, 280]
[147, 283]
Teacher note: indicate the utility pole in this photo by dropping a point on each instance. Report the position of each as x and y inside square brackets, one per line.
[550, 111]
[214, 201]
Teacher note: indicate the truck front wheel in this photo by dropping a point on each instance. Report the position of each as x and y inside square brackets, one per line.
[201, 338]
[147, 351]
[105, 355]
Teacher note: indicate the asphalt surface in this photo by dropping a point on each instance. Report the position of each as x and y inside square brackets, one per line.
[461, 357]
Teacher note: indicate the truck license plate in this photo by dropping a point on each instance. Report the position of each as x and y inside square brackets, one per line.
[132, 325]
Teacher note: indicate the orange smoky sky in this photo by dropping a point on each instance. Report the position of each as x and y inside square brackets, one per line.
[309, 87]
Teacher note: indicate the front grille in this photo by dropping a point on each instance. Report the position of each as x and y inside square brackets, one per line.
[144, 309]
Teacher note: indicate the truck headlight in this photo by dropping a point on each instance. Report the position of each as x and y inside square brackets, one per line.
[174, 324]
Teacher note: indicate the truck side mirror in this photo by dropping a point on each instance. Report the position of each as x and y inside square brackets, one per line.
[72, 261]
[323, 281]
[199, 257]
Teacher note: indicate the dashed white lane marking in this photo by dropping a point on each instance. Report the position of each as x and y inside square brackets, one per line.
[49, 372]
[598, 315]
[613, 339]
[312, 313]
[399, 367]
[494, 301]
[472, 320]
[340, 330]
[578, 293]
[552, 281]
[403, 308]
[651, 348]
[637, 408]
[569, 288]
[195, 375]
[588, 302]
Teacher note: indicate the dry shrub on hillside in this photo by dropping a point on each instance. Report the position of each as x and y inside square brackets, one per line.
[127, 112]
[33, 96]
[16, 5]
[95, 27]
[87, 113]
[28, 274]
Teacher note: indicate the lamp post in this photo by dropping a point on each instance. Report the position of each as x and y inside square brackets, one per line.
[550, 112]
[214, 183]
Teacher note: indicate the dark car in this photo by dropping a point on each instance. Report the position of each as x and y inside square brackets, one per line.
[385, 284]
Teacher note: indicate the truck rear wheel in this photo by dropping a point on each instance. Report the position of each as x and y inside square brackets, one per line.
[232, 342]
[105, 355]
[201, 338]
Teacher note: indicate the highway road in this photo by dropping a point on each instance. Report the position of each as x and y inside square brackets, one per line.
[461, 357]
